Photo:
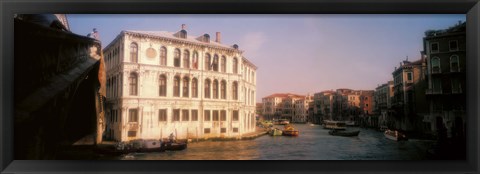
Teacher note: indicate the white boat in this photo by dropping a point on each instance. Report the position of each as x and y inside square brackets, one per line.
[337, 125]
[394, 135]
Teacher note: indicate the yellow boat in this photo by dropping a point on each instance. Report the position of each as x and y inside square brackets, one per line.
[289, 130]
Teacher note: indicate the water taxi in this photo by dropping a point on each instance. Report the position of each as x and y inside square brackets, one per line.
[289, 130]
[337, 125]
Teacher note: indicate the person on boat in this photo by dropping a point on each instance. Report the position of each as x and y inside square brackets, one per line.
[171, 137]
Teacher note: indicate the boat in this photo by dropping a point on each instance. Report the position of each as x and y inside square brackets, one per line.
[140, 145]
[344, 133]
[337, 125]
[174, 146]
[395, 135]
[289, 130]
[281, 122]
[275, 132]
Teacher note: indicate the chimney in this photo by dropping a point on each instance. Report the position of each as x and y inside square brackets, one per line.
[218, 37]
[184, 26]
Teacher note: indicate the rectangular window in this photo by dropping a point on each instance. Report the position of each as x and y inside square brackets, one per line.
[223, 115]
[437, 85]
[176, 115]
[453, 44]
[162, 115]
[235, 129]
[194, 115]
[235, 116]
[223, 130]
[185, 115]
[206, 130]
[409, 76]
[132, 133]
[434, 47]
[133, 115]
[215, 115]
[206, 115]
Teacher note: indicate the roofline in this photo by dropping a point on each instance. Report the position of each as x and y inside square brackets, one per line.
[181, 40]
[249, 63]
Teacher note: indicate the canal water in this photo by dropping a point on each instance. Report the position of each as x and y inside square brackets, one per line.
[313, 143]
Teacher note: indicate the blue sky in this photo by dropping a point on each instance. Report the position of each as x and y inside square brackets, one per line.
[296, 53]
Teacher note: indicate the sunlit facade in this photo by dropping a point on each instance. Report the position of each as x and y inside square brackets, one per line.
[159, 83]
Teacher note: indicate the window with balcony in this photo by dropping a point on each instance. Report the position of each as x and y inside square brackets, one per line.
[436, 65]
[134, 53]
[195, 60]
[185, 86]
[163, 86]
[207, 62]
[235, 91]
[186, 59]
[163, 56]
[207, 88]
[215, 63]
[194, 88]
[176, 58]
[454, 65]
[176, 86]
[223, 90]
[215, 89]
[224, 64]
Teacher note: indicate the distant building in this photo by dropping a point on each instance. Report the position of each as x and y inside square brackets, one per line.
[383, 101]
[301, 109]
[161, 82]
[323, 106]
[445, 52]
[280, 105]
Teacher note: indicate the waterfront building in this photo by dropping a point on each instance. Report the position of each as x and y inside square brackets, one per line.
[383, 101]
[161, 83]
[408, 102]
[301, 109]
[445, 52]
[323, 104]
[280, 105]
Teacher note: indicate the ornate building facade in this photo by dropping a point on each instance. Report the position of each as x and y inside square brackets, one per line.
[159, 83]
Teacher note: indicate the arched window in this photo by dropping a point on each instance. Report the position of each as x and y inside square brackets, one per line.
[436, 65]
[163, 56]
[215, 63]
[194, 88]
[195, 60]
[163, 86]
[176, 58]
[176, 87]
[235, 66]
[186, 59]
[224, 64]
[207, 62]
[223, 90]
[133, 80]
[235, 91]
[133, 53]
[215, 89]
[185, 86]
[454, 65]
[207, 88]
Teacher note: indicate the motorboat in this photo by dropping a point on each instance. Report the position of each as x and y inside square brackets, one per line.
[337, 125]
[289, 130]
[275, 132]
[395, 135]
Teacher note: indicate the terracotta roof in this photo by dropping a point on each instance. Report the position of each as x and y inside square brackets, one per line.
[285, 95]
